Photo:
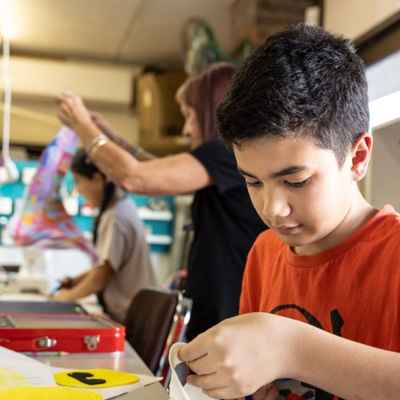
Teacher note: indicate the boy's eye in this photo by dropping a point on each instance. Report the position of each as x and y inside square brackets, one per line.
[299, 184]
[253, 183]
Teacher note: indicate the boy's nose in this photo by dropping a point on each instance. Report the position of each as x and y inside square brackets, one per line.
[275, 207]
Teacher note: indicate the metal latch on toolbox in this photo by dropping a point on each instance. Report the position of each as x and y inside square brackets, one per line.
[45, 342]
[91, 342]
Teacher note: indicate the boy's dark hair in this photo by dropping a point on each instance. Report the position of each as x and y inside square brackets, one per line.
[82, 165]
[301, 82]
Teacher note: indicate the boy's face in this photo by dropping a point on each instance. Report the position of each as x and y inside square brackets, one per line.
[298, 188]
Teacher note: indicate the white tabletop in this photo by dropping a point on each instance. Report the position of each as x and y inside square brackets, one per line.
[128, 361]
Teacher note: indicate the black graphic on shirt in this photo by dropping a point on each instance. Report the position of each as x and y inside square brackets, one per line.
[310, 392]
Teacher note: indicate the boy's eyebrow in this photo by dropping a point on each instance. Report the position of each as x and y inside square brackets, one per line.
[294, 169]
[242, 172]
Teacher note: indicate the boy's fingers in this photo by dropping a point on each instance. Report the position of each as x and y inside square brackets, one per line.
[202, 366]
[222, 393]
[206, 382]
[193, 350]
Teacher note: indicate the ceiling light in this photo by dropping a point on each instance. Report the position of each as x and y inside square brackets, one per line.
[7, 20]
[9, 169]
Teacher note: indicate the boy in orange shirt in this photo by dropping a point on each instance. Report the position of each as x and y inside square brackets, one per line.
[297, 118]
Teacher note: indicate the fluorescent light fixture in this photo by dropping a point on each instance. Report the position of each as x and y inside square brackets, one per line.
[8, 27]
[8, 172]
[9, 169]
[384, 111]
[8, 31]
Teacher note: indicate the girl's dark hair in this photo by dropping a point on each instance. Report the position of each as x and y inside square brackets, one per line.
[82, 165]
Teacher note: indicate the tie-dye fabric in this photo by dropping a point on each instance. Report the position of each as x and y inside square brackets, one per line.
[42, 219]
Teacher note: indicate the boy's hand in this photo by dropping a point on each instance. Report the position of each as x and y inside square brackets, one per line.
[239, 355]
[73, 112]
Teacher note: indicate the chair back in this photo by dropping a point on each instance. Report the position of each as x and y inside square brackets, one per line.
[176, 334]
[148, 323]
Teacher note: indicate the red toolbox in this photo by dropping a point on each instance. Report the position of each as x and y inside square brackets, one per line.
[60, 332]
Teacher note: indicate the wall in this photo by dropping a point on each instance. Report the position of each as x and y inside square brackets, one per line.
[385, 167]
[352, 18]
[36, 83]
[383, 77]
[381, 185]
[35, 121]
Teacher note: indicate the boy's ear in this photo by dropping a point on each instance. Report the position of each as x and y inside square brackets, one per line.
[361, 155]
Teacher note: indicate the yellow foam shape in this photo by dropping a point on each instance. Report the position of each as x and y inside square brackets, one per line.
[47, 393]
[11, 378]
[112, 378]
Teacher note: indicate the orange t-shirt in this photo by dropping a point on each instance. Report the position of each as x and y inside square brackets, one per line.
[351, 290]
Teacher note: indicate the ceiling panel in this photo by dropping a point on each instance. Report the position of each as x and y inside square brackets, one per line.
[156, 32]
[133, 31]
[138, 31]
[78, 27]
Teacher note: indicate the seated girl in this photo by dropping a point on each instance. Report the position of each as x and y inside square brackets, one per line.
[124, 265]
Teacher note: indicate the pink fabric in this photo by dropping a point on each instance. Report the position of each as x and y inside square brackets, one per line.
[42, 218]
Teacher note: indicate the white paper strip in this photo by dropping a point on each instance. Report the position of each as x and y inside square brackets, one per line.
[176, 390]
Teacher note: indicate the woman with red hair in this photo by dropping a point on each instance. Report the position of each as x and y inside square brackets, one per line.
[225, 224]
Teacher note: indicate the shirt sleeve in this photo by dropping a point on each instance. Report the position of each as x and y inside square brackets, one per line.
[220, 163]
[112, 245]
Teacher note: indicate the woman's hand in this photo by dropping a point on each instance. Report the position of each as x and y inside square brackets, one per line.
[73, 112]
